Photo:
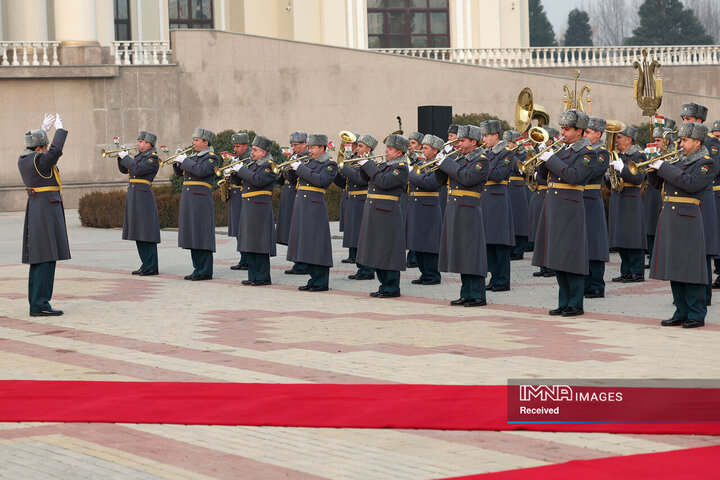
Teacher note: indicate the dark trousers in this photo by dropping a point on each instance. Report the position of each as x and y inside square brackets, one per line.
[594, 281]
[708, 285]
[243, 259]
[258, 266]
[319, 275]
[300, 267]
[40, 285]
[428, 266]
[389, 281]
[411, 257]
[148, 255]
[473, 287]
[717, 266]
[530, 246]
[498, 257]
[689, 299]
[650, 245]
[571, 289]
[352, 253]
[361, 269]
[520, 244]
[631, 261]
[202, 261]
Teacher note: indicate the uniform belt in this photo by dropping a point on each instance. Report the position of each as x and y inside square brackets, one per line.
[202, 184]
[694, 201]
[519, 179]
[631, 185]
[43, 189]
[592, 186]
[503, 182]
[312, 189]
[236, 186]
[255, 194]
[565, 186]
[542, 187]
[357, 192]
[424, 194]
[384, 197]
[716, 188]
[464, 193]
[140, 180]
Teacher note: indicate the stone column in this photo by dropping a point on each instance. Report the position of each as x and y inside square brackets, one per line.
[26, 21]
[76, 30]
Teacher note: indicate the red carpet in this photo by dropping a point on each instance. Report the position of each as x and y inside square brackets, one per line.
[446, 407]
[692, 463]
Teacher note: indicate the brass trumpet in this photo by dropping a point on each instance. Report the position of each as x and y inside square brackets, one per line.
[532, 159]
[115, 153]
[420, 168]
[344, 162]
[277, 168]
[220, 171]
[634, 168]
[171, 158]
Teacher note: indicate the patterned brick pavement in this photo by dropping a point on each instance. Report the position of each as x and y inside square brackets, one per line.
[124, 328]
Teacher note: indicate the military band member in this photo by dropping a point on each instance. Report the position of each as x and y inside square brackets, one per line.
[309, 241]
[716, 191]
[679, 254]
[595, 220]
[424, 218]
[357, 189]
[45, 238]
[538, 199]
[652, 203]
[627, 222]
[497, 211]
[197, 209]
[693, 112]
[414, 157]
[298, 143]
[561, 241]
[241, 149]
[447, 150]
[342, 182]
[141, 222]
[382, 235]
[462, 238]
[256, 233]
[518, 196]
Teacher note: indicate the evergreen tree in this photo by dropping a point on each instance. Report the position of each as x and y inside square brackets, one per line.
[578, 33]
[667, 22]
[541, 32]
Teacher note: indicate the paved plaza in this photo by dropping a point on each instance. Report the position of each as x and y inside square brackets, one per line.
[119, 327]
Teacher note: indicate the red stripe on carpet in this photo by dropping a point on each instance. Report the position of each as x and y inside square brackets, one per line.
[445, 407]
[692, 463]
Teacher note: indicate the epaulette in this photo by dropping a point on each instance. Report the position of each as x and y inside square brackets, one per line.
[589, 147]
[401, 164]
[710, 135]
[507, 148]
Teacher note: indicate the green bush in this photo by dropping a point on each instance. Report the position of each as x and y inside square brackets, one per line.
[477, 118]
[644, 134]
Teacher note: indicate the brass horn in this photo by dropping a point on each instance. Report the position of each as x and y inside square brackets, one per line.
[115, 153]
[526, 110]
[634, 168]
[357, 159]
[277, 168]
[612, 128]
[420, 168]
[171, 158]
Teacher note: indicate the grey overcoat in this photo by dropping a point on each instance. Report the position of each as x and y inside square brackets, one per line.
[141, 222]
[197, 209]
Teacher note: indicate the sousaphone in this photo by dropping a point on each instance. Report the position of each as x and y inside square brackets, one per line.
[526, 110]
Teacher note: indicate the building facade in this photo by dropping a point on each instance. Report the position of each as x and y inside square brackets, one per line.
[345, 23]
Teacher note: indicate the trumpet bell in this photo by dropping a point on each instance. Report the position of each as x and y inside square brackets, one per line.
[538, 135]
[348, 137]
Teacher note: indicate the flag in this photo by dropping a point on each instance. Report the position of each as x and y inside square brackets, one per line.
[658, 121]
[651, 150]
[286, 151]
[164, 149]
[225, 155]
[116, 141]
[331, 146]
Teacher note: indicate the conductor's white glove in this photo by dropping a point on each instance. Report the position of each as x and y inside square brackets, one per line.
[58, 121]
[657, 164]
[545, 155]
[295, 165]
[618, 165]
[48, 121]
[123, 154]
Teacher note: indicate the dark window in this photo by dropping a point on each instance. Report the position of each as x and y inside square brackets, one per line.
[190, 13]
[408, 23]
[122, 20]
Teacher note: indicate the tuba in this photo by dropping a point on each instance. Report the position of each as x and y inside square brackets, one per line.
[612, 128]
[526, 110]
[346, 136]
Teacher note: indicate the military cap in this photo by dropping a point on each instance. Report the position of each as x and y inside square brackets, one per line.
[630, 131]
[262, 142]
[453, 128]
[298, 137]
[417, 136]
[670, 123]
[694, 110]
[716, 126]
[317, 139]
[148, 137]
[695, 130]
[596, 123]
[203, 134]
[510, 135]
[398, 141]
[472, 132]
[36, 138]
[241, 138]
[490, 127]
[658, 132]
[552, 131]
[368, 140]
[433, 141]
[574, 118]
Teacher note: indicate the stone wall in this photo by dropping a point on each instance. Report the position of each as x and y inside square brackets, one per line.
[225, 80]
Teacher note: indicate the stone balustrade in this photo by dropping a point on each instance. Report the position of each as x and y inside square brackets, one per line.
[545, 57]
[141, 53]
[27, 54]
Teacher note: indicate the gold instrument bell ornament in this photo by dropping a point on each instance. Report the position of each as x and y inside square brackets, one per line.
[526, 110]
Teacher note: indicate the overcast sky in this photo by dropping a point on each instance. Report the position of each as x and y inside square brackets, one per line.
[557, 12]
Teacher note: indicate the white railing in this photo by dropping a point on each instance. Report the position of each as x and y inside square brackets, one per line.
[28, 54]
[141, 53]
[544, 57]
